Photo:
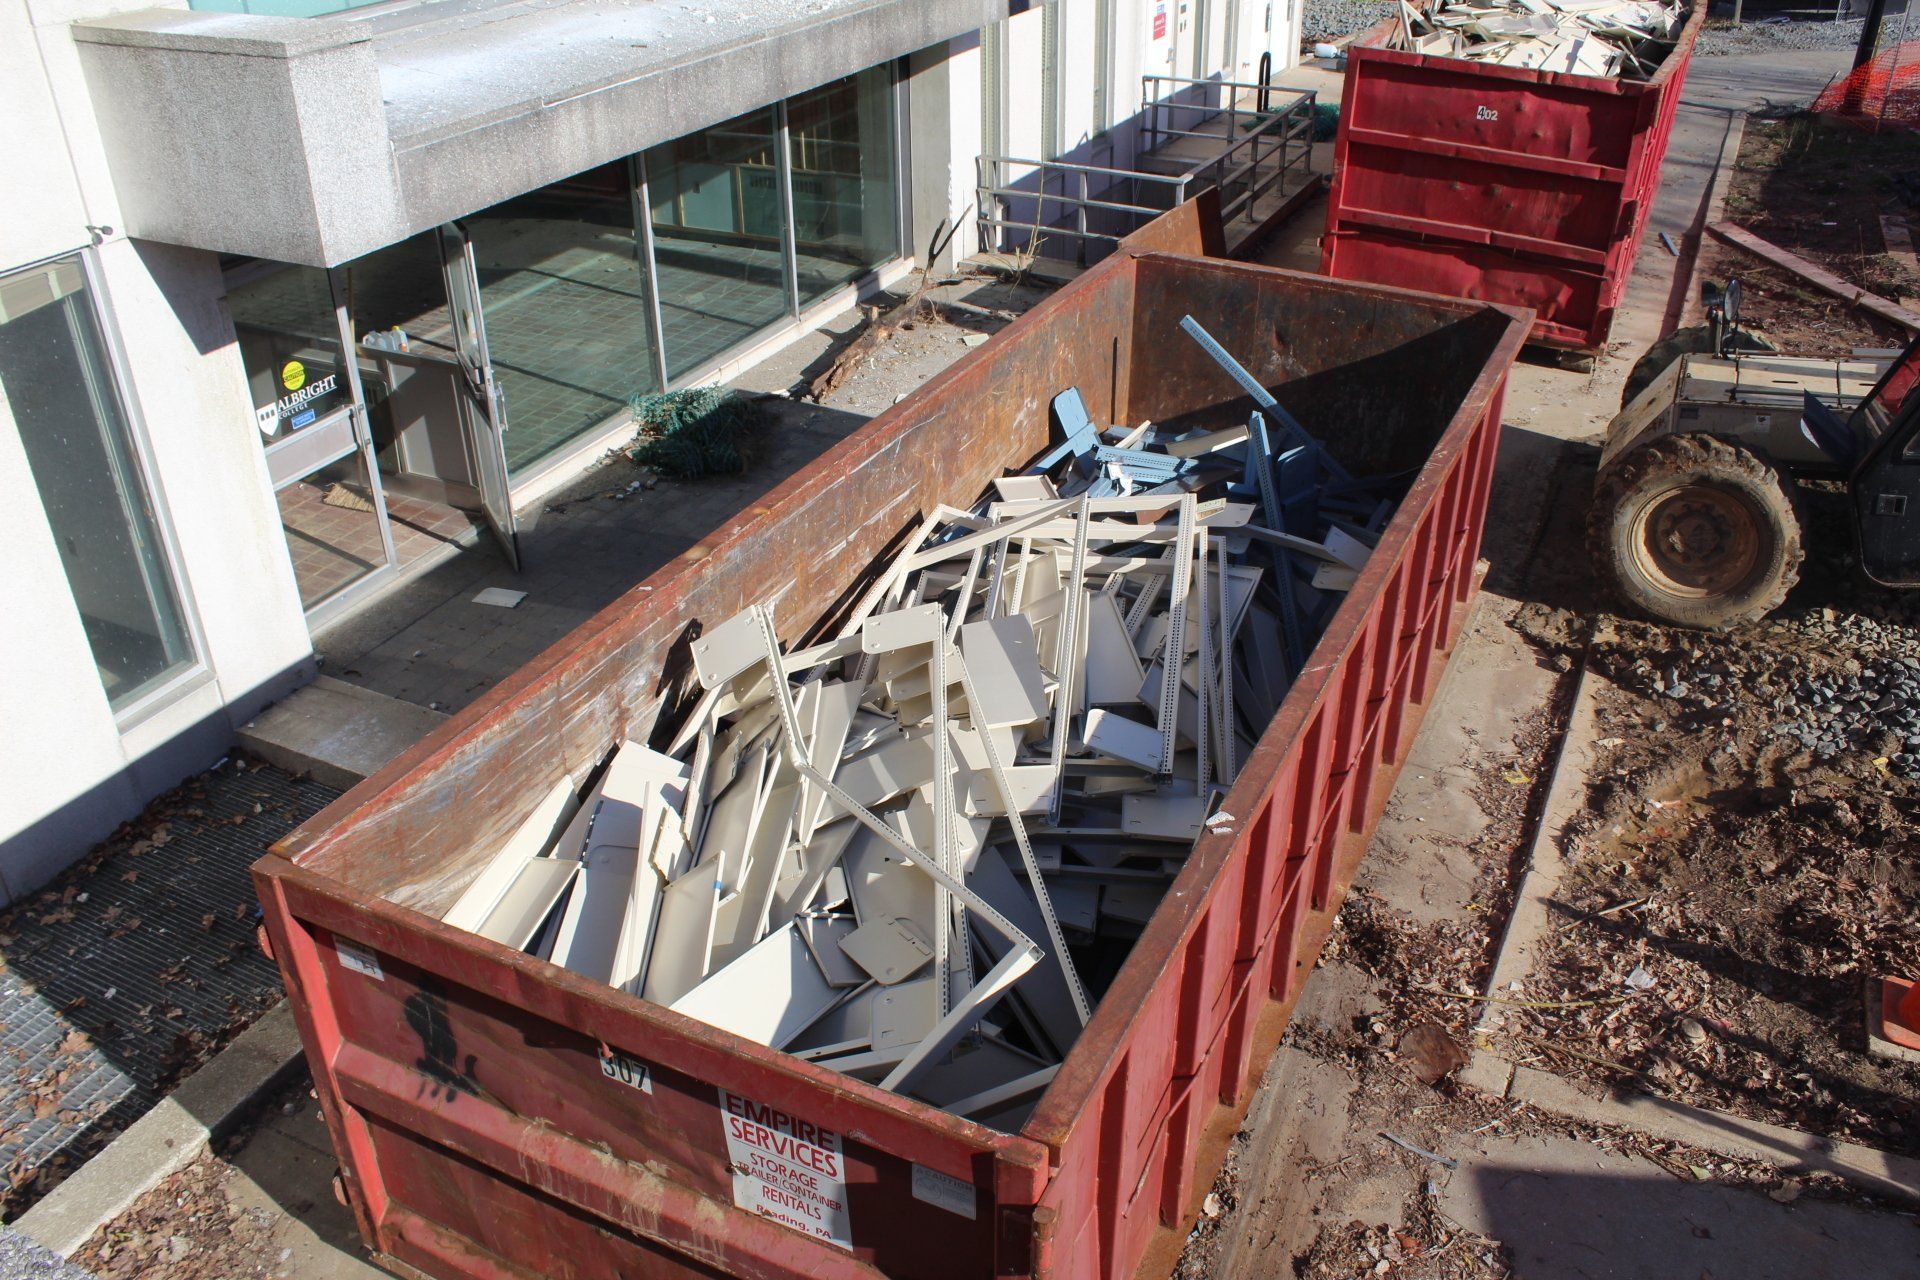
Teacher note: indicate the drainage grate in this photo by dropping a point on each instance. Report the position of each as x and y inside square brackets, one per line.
[135, 966]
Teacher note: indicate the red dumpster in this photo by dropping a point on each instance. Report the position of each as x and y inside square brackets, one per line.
[1499, 184]
[497, 1116]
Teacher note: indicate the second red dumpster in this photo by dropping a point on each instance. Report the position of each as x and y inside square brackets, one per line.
[1499, 183]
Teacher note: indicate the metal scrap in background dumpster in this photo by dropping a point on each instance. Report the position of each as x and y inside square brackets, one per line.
[1588, 37]
[497, 1114]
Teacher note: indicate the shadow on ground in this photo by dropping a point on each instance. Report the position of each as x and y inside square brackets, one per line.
[428, 643]
[1570, 1211]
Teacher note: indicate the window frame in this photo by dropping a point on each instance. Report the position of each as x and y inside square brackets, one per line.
[192, 671]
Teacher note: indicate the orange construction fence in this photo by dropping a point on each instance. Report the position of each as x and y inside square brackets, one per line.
[1884, 91]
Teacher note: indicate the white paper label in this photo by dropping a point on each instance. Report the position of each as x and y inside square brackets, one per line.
[944, 1190]
[787, 1169]
[359, 959]
[631, 1072]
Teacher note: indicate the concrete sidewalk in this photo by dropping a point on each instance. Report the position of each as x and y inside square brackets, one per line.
[1718, 94]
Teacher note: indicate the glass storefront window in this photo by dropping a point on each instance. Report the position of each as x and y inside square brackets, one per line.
[845, 192]
[564, 294]
[718, 244]
[289, 345]
[57, 386]
[582, 306]
[289, 336]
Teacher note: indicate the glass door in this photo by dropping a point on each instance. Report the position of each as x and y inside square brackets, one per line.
[482, 406]
[293, 334]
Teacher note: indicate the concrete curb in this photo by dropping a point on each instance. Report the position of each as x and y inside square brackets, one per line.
[169, 1137]
[1893, 1177]
[1691, 312]
[1529, 920]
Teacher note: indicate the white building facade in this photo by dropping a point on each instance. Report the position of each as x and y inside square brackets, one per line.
[294, 291]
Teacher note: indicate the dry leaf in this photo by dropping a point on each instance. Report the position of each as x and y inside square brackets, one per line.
[1432, 1052]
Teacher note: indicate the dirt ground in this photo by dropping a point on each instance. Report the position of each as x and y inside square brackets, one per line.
[1820, 191]
[1746, 859]
[1380, 1030]
[1756, 878]
[1755, 882]
[191, 1228]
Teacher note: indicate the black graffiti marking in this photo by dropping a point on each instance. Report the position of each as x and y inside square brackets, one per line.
[427, 1015]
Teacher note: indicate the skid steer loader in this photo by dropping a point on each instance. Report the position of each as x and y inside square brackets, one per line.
[1695, 519]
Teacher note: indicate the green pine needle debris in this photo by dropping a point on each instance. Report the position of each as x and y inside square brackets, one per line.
[695, 432]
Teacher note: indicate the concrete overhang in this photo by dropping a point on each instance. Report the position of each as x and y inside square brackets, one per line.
[317, 140]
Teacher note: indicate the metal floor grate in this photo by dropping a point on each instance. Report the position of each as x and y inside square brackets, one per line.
[134, 966]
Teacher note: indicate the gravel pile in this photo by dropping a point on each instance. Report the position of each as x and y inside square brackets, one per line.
[1866, 705]
[1879, 709]
[22, 1259]
[1331, 19]
[1720, 40]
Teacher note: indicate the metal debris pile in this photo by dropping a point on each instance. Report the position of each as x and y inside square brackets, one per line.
[1627, 38]
[917, 852]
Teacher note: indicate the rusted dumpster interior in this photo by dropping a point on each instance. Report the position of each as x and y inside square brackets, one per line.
[472, 1090]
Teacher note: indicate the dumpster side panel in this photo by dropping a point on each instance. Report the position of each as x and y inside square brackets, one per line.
[1482, 202]
[1563, 296]
[1175, 1046]
[1190, 227]
[428, 1049]
[1499, 184]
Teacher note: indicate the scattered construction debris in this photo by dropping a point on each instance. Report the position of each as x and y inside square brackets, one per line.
[915, 853]
[1624, 38]
[880, 329]
[1815, 275]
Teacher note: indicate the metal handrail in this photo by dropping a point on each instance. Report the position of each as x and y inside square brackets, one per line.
[1075, 198]
[1062, 193]
[1245, 168]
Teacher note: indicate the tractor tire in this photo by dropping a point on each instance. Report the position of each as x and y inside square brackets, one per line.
[1696, 530]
